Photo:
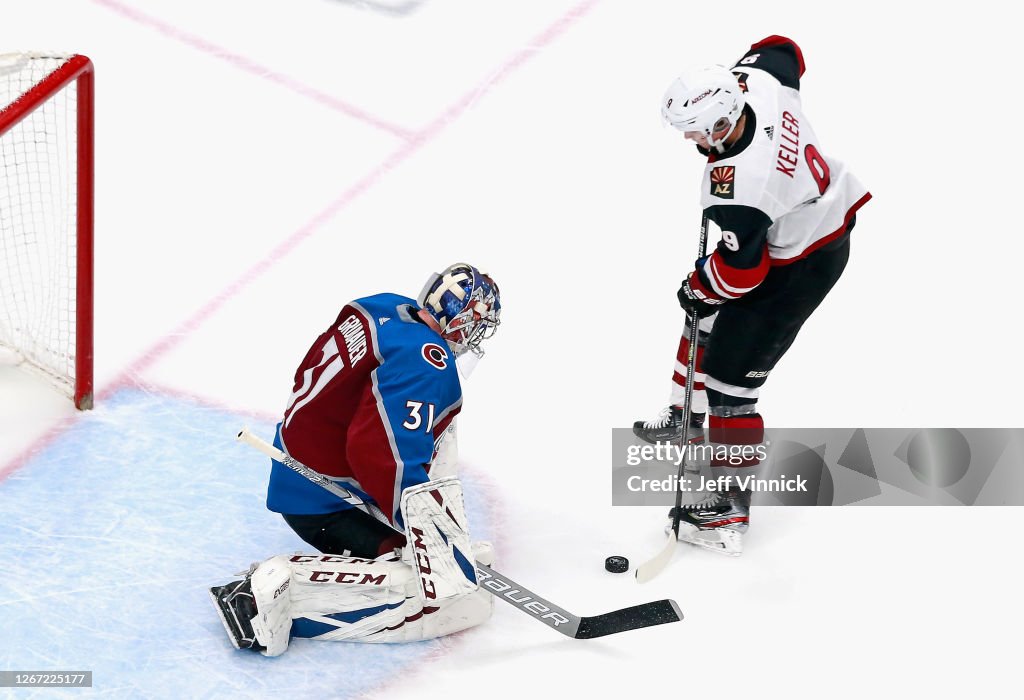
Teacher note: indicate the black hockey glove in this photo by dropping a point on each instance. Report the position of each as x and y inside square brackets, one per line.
[695, 301]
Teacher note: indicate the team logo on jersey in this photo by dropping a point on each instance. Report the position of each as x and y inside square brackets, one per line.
[435, 355]
[741, 78]
[723, 180]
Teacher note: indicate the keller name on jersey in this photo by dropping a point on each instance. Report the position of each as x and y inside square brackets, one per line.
[789, 145]
[772, 192]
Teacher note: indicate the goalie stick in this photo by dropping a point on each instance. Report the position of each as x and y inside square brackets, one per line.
[653, 566]
[658, 612]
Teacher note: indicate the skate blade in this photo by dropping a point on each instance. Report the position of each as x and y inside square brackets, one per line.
[233, 633]
[727, 542]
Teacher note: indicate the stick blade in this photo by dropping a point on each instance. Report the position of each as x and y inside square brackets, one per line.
[660, 612]
[652, 567]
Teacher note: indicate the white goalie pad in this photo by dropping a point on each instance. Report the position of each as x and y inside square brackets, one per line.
[438, 536]
[357, 600]
[271, 582]
[347, 599]
[446, 453]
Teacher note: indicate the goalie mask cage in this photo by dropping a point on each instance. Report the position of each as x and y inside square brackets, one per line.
[46, 217]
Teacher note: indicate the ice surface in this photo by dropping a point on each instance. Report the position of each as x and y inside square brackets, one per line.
[115, 531]
[262, 162]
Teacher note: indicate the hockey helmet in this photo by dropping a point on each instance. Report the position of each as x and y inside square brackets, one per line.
[466, 304]
[706, 100]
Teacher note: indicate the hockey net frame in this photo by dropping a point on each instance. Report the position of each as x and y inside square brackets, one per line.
[75, 69]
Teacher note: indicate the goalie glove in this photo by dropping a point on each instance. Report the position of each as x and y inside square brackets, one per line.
[438, 537]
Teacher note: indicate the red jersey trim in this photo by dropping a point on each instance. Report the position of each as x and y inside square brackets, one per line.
[777, 40]
[731, 282]
[827, 239]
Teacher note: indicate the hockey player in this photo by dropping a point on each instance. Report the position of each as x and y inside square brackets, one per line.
[373, 409]
[785, 210]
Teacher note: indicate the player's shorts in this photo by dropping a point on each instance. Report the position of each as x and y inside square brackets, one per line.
[752, 333]
[348, 532]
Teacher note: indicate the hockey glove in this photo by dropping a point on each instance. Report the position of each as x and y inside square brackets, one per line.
[693, 299]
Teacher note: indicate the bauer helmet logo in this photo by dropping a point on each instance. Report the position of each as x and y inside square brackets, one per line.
[435, 355]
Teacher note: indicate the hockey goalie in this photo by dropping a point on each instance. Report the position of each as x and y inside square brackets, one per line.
[373, 409]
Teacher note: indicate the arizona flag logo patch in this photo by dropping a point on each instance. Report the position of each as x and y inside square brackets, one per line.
[723, 181]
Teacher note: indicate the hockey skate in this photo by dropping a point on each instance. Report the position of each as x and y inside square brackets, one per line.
[236, 606]
[718, 525]
[667, 426]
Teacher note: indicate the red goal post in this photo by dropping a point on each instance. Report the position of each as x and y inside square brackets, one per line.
[46, 217]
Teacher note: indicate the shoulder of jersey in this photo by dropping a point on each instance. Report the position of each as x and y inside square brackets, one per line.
[777, 56]
[740, 179]
[403, 340]
[743, 179]
[385, 310]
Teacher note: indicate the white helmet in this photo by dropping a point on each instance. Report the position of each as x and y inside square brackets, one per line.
[706, 100]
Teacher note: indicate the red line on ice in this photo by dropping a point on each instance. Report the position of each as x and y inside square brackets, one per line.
[250, 66]
[410, 146]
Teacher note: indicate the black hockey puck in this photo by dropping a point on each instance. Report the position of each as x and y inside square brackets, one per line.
[616, 564]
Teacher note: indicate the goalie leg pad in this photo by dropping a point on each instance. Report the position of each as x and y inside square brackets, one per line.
[461, 613]
[438, 536]
[334, 598]
[347, 598]
[338, 598]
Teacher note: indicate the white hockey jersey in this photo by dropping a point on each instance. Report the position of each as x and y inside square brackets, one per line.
[774, 193]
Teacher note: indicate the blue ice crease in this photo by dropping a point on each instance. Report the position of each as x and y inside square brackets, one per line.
[111, 535]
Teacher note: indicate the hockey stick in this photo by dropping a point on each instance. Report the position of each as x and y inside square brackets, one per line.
[659, 612]
[653, 566]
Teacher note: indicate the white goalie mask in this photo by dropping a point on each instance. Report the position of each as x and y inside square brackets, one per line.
[466, 304]
[704, 100]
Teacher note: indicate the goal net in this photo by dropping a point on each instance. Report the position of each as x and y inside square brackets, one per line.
[46, 190]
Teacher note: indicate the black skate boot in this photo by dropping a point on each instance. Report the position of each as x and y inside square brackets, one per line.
[718, 525]
[668, 426]
[237, 607]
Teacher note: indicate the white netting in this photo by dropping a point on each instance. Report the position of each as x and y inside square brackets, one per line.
[37, 221]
